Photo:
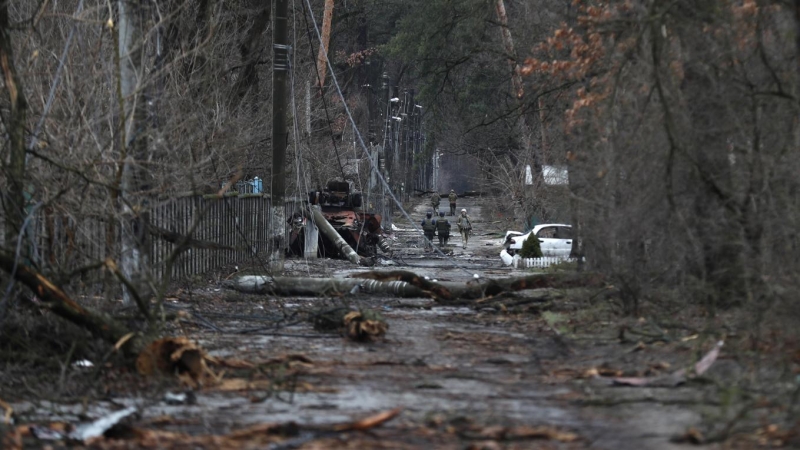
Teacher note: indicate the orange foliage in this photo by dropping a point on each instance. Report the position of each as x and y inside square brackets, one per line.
[589, 52]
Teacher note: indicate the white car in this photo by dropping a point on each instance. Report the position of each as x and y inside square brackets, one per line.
[555, 239]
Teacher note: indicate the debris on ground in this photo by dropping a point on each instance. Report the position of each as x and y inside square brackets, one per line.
[109, 433]
[676, 378]
[176, 356]
[365, 325]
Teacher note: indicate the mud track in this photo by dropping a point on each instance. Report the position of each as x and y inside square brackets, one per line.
[460, 374]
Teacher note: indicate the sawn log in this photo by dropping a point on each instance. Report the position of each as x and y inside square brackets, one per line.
[321, 287]
[407, 284]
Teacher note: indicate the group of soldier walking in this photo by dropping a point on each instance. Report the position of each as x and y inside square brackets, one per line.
[435, 200]
[441, 226]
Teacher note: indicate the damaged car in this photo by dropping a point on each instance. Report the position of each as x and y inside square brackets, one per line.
[555, 239]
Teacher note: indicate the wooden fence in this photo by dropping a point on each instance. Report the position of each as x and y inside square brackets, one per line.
[226, 230]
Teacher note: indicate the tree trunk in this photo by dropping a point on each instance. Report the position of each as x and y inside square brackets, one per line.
[525, 130]
[14, 200]
[408, 285]
[249, 49]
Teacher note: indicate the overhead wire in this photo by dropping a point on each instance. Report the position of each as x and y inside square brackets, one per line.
[321, 88]
[380, 176]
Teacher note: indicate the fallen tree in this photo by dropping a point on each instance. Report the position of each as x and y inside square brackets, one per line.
[321, 287]
[407, 284]
[59, 303]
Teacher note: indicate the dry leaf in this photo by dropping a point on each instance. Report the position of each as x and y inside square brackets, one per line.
[365, 325]
[591, 373]
[177, 356]
[692, 436]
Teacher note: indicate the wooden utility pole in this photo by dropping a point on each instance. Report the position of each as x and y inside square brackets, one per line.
[322, 60]
[134, 259]
[280, 134]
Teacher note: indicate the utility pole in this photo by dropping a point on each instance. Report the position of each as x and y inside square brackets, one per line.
[280, 134]
[384, 209]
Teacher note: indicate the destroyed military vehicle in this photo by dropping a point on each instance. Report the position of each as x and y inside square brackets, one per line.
[341, 205]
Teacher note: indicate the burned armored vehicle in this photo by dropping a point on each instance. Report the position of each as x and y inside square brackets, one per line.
[341, 205]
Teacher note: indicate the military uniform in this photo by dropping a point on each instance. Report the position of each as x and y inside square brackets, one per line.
[443, 230]
[429, 228]
[465, 227]
[452, 197]
[435, 199]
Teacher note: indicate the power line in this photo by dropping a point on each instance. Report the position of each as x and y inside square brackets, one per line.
[322, 91]
[366, 151]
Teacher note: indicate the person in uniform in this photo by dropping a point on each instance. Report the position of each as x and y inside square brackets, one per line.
[443, 229]
[429, 229]
[452, 197]
[464, 226]
[435, 199]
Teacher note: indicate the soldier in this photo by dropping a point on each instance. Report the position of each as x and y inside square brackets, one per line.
[435, 203]
[443, 229]
[452, 198]
[429, 228]
[464, 226]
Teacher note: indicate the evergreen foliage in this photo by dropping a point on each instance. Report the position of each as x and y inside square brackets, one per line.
[530, 248]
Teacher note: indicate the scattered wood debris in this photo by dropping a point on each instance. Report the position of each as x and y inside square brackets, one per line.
[8, 411]
[177, 356]
[676, 378]
[121, 436]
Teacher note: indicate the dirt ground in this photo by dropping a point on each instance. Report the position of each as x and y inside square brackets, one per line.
[535, 375]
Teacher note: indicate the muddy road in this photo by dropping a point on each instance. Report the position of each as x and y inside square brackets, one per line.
[465, 377]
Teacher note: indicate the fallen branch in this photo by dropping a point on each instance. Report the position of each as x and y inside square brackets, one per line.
[369, 422]
[56, 300]
[177, 238]
[676, 378]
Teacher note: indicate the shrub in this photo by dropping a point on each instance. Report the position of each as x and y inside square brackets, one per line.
[530, 248]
